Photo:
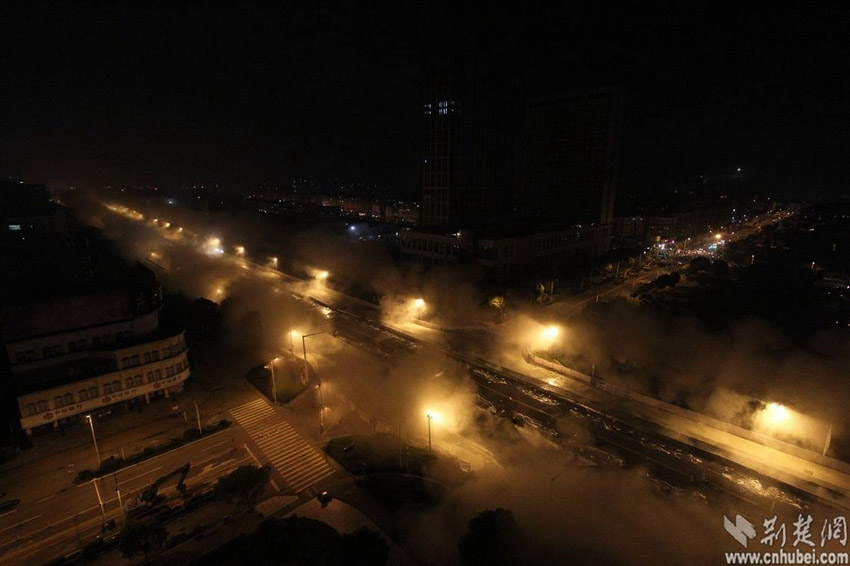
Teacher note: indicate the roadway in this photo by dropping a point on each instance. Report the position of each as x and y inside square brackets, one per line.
[57, 518]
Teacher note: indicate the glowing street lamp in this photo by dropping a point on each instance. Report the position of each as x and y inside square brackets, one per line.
[776, 413]
[240, 250]
[419, 304]
[322, 275]
[551, 332]
[274, 261]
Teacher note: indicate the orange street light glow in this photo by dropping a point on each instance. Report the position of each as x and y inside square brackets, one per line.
[776, 413]
[551, 332]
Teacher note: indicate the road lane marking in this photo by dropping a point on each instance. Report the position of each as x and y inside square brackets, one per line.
[217, 444]
[199, 463]
[9, 513]
[21, 523]
[46, 498]
[140, 475]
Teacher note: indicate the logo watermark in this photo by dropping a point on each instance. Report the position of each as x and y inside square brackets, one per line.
[802, 536]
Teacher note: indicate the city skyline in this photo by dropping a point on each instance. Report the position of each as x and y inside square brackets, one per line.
[100, 95]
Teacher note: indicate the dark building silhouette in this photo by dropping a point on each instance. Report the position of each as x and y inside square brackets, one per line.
[525, 189]
[460, 143]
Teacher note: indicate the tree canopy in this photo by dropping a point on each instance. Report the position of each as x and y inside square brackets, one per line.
[493, 539]
[245, 483]
[142, 537]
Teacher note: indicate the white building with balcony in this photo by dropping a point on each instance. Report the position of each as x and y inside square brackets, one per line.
[76, 355]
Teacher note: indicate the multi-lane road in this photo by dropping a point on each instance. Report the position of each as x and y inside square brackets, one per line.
[55, 518]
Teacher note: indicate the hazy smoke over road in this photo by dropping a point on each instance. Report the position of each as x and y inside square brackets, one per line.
[571, 514]
[716, 372]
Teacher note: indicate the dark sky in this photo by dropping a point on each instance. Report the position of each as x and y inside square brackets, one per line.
[125, 93]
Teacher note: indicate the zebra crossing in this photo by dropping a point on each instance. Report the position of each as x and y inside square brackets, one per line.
[299, 463]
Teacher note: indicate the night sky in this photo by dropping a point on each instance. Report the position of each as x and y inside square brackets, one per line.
[143, 93]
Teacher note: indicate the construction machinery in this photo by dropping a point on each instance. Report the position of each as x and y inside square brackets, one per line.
[150, 498]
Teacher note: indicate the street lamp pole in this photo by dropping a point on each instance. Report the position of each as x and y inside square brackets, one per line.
[274, 383]
[319, 385]
[198, 415]
[94, 439]
[321, 410]
[429, 432]
[99, 499]
[118, 494]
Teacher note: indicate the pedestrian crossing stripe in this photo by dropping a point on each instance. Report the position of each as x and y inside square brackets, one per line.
[299, 463]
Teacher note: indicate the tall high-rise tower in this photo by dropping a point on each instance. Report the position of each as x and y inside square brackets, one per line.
[458, 176]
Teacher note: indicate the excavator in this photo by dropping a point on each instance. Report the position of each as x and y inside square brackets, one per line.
[150, 497]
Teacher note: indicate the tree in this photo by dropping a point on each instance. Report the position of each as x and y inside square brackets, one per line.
[493, 539]
[245, 482]
[364, 547]
[142, 537]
